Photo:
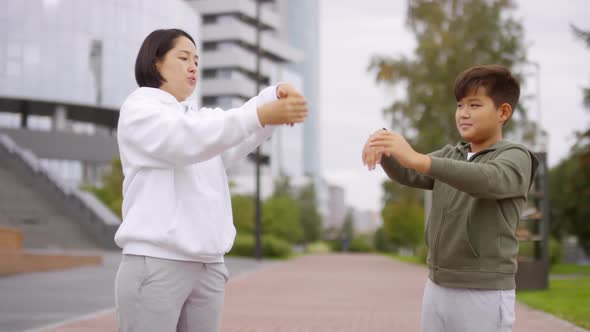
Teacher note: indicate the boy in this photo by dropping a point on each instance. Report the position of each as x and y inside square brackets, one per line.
[479, 190]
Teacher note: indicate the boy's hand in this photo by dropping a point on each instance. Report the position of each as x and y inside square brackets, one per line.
[371, 157]
[394, 145]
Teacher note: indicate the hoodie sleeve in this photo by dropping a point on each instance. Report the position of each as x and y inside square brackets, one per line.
[240, 151]
[508, 175]
[154, 134]
[408, 176]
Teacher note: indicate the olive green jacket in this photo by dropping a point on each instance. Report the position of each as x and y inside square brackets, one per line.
[476, 207]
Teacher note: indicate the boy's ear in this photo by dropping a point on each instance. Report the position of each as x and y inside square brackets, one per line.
[505, 112]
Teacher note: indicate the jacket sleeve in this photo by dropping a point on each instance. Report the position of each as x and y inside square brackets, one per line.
[407, 176]
[508, 175]
[152, 134]
[240, 151]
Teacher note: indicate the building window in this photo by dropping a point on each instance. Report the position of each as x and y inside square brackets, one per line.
[208, 73]
[209, 46]
[209, 19]
[209, 101]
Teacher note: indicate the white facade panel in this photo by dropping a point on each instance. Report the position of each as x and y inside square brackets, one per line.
[229, 86]
[237, 30]
[46, 46]
[243, 7]
[237, 58]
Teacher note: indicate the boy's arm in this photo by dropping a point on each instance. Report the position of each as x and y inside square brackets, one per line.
[508, 175]
[407, 176]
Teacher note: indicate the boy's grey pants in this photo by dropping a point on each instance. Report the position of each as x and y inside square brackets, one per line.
[162, 295]
[466, 310]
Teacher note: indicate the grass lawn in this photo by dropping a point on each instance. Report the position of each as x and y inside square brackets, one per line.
[568, 299]
[407, 259]
[571, 269]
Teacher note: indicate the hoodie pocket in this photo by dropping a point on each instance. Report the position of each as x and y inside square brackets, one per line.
[454, 247]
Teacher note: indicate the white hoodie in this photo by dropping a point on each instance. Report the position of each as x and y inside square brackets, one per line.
[176, 199]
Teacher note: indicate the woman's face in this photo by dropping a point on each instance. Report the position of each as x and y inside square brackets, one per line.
[179, 69]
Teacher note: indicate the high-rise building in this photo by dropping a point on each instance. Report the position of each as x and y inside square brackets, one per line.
[337, 207]
[228, 75]
[302, 27]
[303, 31]
[66, 67]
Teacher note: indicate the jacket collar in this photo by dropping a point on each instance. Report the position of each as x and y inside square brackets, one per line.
[465, 147]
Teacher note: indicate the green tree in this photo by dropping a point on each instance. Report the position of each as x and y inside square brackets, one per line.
[403, 224]
[570, 181]
[403, 217]
[451, 35]
[243, 212]
[311, 221]
[569, 185]
[281, 213]
[111, 190]
[393, 192]
[381, 242]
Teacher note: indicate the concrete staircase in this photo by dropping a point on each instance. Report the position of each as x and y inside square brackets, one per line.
[44, 225]
[49, 214]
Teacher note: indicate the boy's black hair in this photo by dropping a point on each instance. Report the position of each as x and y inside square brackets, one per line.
[497, 80]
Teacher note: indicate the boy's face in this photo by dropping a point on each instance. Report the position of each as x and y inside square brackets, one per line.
[478, 120]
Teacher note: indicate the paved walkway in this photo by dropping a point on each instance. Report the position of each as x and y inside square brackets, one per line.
[328, 293]
[31, 300]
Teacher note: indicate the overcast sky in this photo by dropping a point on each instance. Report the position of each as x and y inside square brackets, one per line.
[351, 105]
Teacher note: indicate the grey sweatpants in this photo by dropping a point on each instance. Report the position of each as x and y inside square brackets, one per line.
[466, 310]
[162, 295]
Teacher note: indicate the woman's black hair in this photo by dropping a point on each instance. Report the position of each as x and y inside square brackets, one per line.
[153, 48]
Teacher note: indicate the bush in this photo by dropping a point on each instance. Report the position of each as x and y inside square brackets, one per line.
[275, 247]
[555, 252]
[381, 242]
[527, 251]
[361, 243]
[110, 193]
[271, 247]
[243, 246]
[422, 253]
[403, 224]
[281, 217]
[318, 248]
[243, 213]
[335, 245]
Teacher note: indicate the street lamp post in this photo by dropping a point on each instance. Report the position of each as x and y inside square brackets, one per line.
[257, 207]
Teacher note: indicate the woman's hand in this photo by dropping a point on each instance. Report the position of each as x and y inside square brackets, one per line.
[291, 108]
[285, 90]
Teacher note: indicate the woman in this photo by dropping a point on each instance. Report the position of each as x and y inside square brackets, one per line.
[177, 219]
